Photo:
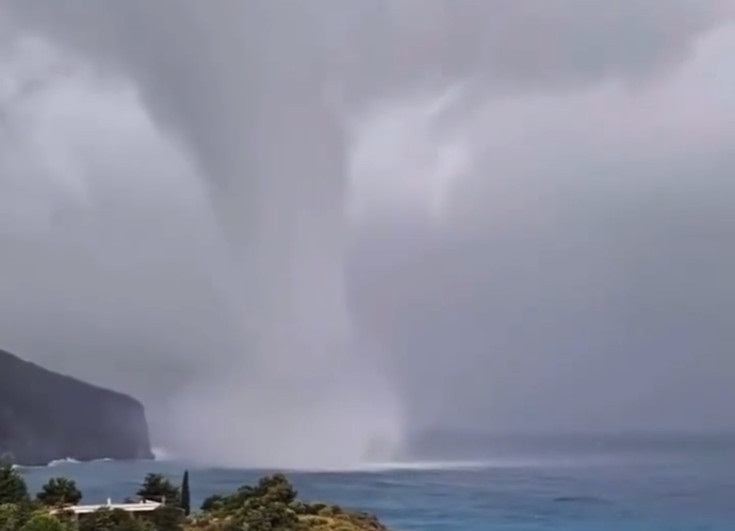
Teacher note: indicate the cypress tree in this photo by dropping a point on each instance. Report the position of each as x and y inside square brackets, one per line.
[185, 497]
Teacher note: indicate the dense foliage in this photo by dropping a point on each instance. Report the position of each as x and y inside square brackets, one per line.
[270, 505]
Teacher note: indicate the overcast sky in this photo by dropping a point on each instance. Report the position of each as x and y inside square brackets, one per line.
[303, 223]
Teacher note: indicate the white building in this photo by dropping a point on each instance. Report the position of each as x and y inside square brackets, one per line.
[143, 506]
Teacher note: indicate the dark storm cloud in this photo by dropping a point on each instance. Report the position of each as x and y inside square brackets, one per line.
[102, 257]
[537, 195]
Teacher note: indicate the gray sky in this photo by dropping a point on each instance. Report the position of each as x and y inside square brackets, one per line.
[315, 228]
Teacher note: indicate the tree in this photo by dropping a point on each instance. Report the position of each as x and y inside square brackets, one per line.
[59, 491]
[185, 496]
[158, 488]
[167, 518]
[43, 522]
[275, 488]
[13, 488]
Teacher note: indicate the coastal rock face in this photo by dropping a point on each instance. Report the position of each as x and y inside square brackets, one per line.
[46, 416]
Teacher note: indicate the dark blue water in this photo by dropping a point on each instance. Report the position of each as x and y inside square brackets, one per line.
[682, 488]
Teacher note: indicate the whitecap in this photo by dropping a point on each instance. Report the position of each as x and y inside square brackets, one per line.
[64, 461]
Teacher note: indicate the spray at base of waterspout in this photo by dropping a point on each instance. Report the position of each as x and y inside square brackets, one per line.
[321, 420]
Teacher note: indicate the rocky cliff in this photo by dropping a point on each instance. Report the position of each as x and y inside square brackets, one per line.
[46, 416]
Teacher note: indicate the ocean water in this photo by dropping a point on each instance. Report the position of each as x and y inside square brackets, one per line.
[682, 486]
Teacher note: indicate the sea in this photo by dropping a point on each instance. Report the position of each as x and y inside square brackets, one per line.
[685, 484]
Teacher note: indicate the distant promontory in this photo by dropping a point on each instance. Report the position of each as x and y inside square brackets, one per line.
[46, 416]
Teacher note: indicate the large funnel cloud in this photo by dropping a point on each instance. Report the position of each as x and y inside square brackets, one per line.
[240, 88]
[478, 166]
